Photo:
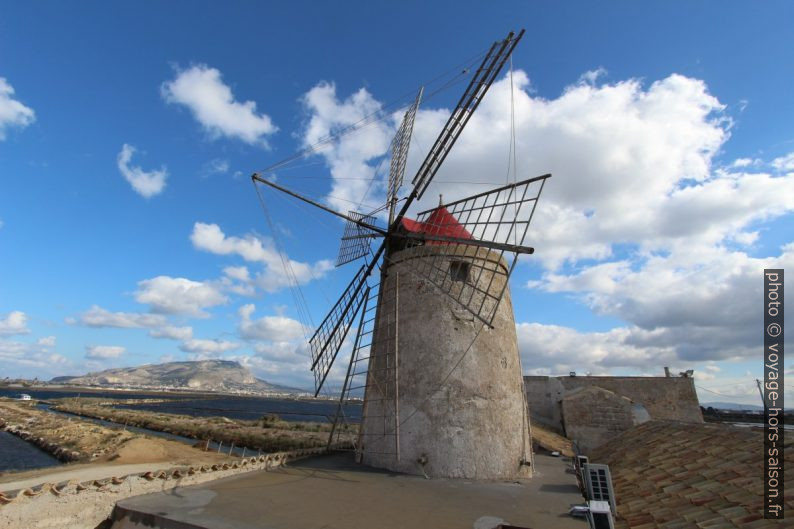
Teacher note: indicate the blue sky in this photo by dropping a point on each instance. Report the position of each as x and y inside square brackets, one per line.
[667, 126]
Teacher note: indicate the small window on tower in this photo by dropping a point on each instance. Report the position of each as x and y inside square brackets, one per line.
[459, 271]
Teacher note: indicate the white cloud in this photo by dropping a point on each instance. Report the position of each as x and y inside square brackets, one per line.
[96, 316]
[103, 352]
[240, 273]
[178, 295]
[784, 163]
[15, 322]
[210, 237]
[618, 152]
[623, 157]
[202, 90]
[28, 356]
[744, 162]
[172, 332]
[47, 341]
[295, 353]
[157, 324]
[12, 112]
[145, 183]
[282, 354]
[208, 347]
[592, 76]
[349, 158]
[216, 166]
[238, 280]
[700, 304]
[271, 328]
[637, 222]
[557, 350]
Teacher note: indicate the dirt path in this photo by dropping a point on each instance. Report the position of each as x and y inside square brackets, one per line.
[138, 455]
[85, 472]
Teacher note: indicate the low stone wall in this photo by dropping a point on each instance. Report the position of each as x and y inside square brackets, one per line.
[592, 416]
[665, 398]
[544, 395]
[86, 505]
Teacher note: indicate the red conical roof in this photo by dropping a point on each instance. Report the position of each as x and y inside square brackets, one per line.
[440, 222]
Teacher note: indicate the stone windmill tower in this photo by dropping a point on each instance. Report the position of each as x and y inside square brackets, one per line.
[435, 358]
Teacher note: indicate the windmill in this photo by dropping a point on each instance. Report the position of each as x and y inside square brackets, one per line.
[434, 355]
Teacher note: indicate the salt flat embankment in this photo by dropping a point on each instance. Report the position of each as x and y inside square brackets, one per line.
[268, 434]
[116, 464]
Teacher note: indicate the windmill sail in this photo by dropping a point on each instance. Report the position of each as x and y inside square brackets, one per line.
[475, 91]
[331, 334]
[469, 247]
[356, 238]
[399, 149]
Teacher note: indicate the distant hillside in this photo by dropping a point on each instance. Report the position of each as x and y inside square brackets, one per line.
[732, 406]
[205, 375]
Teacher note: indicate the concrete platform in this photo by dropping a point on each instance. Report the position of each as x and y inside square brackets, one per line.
[333, 492]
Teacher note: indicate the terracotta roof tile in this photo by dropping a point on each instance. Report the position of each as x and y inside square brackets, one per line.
[675, 475]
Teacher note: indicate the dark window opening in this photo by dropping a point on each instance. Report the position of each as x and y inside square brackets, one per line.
[459, 271]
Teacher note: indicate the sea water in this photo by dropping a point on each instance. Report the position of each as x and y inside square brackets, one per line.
[16, 454]
[251, 408]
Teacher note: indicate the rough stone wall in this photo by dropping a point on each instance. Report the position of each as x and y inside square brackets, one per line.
[461, 402]
[543, 398]
[664, 398]
[593, 416]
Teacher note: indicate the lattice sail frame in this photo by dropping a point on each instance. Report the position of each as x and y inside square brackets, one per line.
[356, 239]
[399, 148]
[475, 274]
[330, 335]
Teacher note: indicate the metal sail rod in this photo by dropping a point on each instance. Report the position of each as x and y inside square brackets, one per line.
[366, 225]
[468, 242]
[491, 191]
[362, 236]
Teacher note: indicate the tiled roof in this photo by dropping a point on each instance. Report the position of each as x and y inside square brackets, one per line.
[683, 475]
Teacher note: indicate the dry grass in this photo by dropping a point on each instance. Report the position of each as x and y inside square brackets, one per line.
[551, 441]
[85, 441]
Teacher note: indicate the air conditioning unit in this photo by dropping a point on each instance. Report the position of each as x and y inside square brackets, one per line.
[598, 482]
[579, 464]
[599, 515]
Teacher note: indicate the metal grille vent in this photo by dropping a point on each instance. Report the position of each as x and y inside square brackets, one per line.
[599, 484]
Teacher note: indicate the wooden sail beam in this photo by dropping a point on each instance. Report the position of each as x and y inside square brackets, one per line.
[257, 178]
[426, 237]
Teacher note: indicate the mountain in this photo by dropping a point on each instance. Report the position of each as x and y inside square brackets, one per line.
[204, 375]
